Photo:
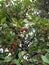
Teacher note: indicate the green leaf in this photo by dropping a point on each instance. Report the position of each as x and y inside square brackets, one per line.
[21, 54]
[47, 56]
[8, 59]
[3, 20]
[26, 2]
[16, 62]
[47, 50]
[45, 59]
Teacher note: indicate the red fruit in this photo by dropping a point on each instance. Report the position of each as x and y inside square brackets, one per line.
[11, 63]
[14, 14]
[23, 29]
[14, 45]
[46, 31]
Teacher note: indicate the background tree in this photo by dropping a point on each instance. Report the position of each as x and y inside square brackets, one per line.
[24, 36]
[43, 6]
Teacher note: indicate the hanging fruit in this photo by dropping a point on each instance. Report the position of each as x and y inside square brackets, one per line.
[14, 45]
[11, 63]
[46, 31]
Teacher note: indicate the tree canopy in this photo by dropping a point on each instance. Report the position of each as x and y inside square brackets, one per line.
[43, 6]
[24, 32]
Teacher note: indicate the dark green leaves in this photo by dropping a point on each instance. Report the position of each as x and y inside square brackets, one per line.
[45, 58]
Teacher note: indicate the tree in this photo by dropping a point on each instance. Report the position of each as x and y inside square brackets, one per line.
[43, 6]
[24, 37]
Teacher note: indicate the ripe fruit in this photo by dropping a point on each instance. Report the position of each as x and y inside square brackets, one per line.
[14, 45]
[23, 29]
[46, 31]
[11, 63]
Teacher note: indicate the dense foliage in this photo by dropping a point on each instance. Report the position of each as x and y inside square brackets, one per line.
[43, 7]
[24, 36]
